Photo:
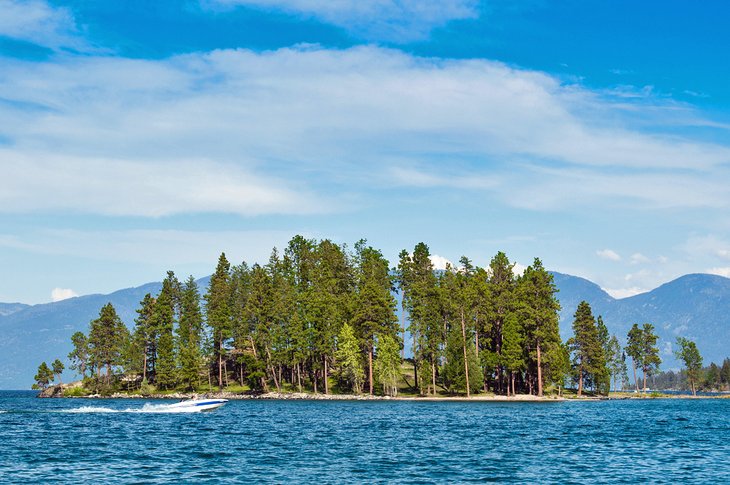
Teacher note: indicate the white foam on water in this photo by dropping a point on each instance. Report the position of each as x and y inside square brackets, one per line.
[90, 409]
[147, 408]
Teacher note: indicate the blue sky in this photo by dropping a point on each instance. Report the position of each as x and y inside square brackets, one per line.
[137, 137]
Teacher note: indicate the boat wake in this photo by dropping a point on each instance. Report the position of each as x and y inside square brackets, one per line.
[147, 408]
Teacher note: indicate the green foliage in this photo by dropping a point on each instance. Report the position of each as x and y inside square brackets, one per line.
[589, 362]
[44, 376]
[218, 312]
[57, 367]
[190, 336]
[349, 359]
[388, 364]
[690, 355]
[79, 356]
[454, 371]
[77, 391]
[107, 338]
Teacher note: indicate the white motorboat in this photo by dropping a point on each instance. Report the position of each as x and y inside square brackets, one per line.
[198, 405]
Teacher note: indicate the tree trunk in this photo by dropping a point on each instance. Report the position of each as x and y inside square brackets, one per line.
[580, 381]
[466, 360]
[514, 393]
[326, 384]
[315, 381]
[636, 382]
[220, 365]
[370, 368]
[416, 384]
[144, 365]
[539, 371]
[299, 376]
[644, 390]
[433, 373]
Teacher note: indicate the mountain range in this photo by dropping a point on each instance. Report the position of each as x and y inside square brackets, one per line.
[696, 306]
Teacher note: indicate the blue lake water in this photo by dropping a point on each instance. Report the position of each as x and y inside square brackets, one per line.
[129, 441]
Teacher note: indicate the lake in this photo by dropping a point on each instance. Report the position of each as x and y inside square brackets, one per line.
[133, 441]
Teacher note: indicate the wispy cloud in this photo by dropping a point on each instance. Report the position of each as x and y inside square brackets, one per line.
[608, 254]
[378, 20]
[282, 131]
[44, 182]
[38, 22]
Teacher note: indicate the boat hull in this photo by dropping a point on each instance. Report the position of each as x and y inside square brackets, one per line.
[199, 405]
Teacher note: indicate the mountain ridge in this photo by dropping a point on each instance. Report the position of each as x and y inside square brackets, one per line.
[696, 306]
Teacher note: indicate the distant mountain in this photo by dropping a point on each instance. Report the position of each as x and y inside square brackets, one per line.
[8, 308]
[696, 306]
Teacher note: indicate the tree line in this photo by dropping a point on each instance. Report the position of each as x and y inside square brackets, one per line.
[321, 314]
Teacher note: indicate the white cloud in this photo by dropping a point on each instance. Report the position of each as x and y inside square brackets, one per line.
[162, 248]
[58, 294]
[620, 293]
[137, 188]
[391, 20]
[38, 22]
[720, 271]
[439, 262]
[608, 254]
[518, 269]
[638, 258]
[274, 128]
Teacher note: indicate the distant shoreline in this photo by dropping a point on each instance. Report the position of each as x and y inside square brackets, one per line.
[57, 392]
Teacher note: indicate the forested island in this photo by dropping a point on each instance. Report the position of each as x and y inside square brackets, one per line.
[321, 318]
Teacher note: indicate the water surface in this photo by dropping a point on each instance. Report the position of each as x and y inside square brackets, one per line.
[135, 441]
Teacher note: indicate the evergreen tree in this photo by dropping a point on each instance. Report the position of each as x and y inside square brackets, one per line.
[634, 349]
[58, 367]
[218, 312]
[330, 300]
[725, 372]
[650, 360]
[190, 336]
[512, 357]
[375, 305]
[502, 304]
[388, 364]
[588, 361]
[144, 340]
[107, 336]
[348, 357]
[164, 321]
[44, 376]
[538, 309]
[79, 356]
[690, 355]
[712, 377]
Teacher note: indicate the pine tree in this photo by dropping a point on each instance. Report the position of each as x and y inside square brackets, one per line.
[650, 360]
[690, 355]
[330, 300]
[512, 357]
[375, 306]
[502, 302]
[588, 361]
[107, 337]
[190, 336]
[634, 350]
[422, 304]
[44, 376]
[143, 349]
[164, 321]
[57, 367]
[79, 356]
[538, 309]
[218, 312]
